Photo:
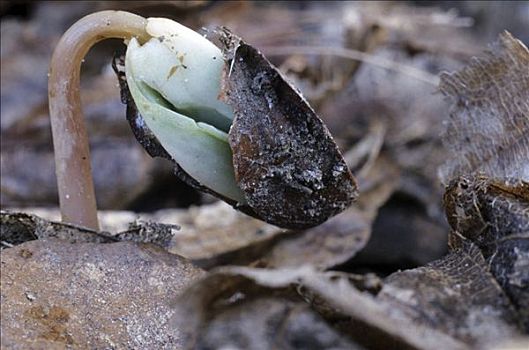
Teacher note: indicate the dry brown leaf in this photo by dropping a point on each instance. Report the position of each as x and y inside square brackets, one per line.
[474, 297]
[206, 231]
[494, 215]
[455, 295]
[453, 303]
[270, 323]
[487, 200]
[335, 297]
[212, 230]
[17, 228]
[488, 129]
[324, 246]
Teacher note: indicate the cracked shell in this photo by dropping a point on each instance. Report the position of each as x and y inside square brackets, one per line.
[285, 159]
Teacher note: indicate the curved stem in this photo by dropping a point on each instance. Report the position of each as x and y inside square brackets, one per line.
[70, 140]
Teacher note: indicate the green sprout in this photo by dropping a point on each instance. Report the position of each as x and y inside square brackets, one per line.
[178, 99]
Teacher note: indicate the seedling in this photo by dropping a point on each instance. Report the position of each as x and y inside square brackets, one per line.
[232, 125]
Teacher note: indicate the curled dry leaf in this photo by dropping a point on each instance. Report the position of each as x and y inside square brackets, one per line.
[455, 295]
[487, 200]
[271, 323]
[494, 215]
[488, 129]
